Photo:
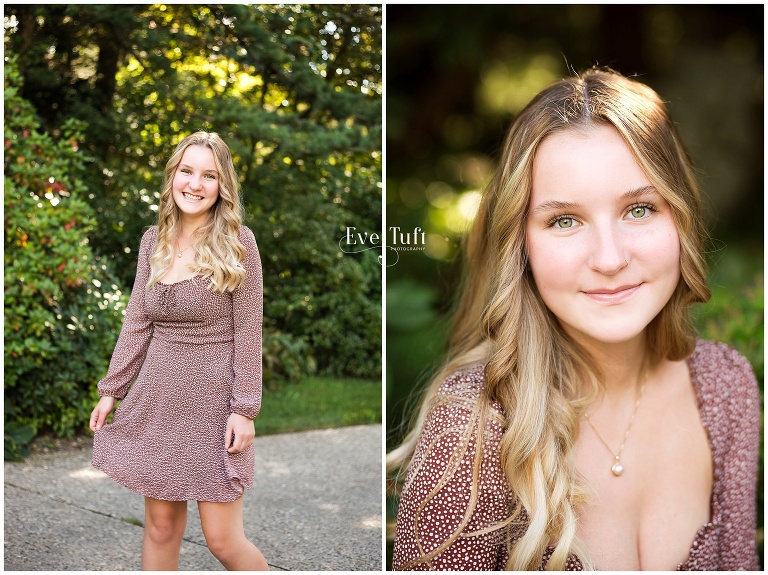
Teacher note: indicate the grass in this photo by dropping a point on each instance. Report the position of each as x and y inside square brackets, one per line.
[319, 403]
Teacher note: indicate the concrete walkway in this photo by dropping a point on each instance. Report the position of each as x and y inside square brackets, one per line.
[315, 506]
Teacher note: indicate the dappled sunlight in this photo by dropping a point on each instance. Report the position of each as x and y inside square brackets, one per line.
[273, 469]
[437, 247]
[452, 219]
[88, 473]
[371, 522]
[508, 85]
[450, 201]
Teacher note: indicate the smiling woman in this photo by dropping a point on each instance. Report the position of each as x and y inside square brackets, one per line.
[578, 423]
[192, 334]
[599, 235]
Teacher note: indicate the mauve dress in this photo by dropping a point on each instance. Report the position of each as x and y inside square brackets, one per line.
[197, 354]
[729, 406]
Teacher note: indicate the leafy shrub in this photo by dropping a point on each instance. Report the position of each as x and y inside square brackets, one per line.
[311, 288]
[299, 106]
[62, 306]
[286, 358]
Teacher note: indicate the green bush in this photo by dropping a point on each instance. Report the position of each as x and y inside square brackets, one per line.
[295, 90]
[314, 290]
[286, 358]
[62, 306]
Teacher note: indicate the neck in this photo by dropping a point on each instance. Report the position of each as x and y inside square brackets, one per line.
[622, 365]
[189, 225]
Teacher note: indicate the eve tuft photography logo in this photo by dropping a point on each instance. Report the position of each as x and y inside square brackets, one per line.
[355, 241]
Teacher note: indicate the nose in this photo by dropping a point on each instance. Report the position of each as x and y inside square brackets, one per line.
[195, 183]
[608, 251]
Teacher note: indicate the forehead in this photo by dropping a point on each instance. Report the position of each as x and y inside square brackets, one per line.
[584, 161]
[199, 156]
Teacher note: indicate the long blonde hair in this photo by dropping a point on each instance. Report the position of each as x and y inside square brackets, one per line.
[538, 375]
[219, 251]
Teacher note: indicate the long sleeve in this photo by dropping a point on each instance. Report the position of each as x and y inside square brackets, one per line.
[136, 332]
[247, 316]
[431, 511]
[737, 499]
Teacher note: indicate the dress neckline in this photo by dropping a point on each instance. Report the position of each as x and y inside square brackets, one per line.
[178, 282]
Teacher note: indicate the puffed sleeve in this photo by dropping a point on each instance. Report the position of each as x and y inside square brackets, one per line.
[738, 503]
[136, 332]
[247, 315]
[433, 511]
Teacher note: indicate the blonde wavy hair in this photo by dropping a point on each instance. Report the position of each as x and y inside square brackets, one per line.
[538, 375]
[219, 251]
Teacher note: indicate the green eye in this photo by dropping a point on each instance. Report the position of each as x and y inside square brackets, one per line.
[564, 223]
[639, 212]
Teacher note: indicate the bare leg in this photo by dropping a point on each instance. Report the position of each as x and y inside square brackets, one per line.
[223, 530]
[165, 522]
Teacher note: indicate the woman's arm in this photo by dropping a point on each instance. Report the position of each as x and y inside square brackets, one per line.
[737, 541]
[435, 508]
[136, 332]
[247, 314]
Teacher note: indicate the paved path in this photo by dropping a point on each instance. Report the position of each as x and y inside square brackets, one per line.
[315, 506]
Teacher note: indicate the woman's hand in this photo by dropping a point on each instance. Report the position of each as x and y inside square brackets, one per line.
[101, 412]
[239, 428]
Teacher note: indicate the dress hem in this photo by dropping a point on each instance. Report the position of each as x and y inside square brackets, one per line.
[144, 493]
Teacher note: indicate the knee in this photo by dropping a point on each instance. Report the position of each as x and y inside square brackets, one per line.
[165, 530]
[222, 543]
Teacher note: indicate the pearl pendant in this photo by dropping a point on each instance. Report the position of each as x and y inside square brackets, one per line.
[179, 255]
[617, 469]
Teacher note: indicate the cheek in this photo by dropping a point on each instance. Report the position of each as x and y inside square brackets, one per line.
[662, 249]
[553, 267]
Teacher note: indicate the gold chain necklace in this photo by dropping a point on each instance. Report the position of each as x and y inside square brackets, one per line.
[617, 468]
[181, 253]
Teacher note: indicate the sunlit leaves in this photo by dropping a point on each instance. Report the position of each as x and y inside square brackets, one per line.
[295, 90]
[62, 307]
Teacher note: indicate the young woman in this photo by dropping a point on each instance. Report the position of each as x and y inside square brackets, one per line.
[577, 422]
[192, 334]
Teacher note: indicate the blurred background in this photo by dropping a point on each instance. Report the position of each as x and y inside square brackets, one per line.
[96, 98]
[456, 77]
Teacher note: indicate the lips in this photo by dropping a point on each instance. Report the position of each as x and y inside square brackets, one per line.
[613, 296]
[192, 197]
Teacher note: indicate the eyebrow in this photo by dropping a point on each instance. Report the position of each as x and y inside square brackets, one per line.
[192, 167]
[558, 205]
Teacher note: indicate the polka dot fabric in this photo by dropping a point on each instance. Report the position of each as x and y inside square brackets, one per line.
[443, 433]
[729, 405]
[197, 355]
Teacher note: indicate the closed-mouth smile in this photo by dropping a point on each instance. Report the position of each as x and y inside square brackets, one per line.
[613, 295]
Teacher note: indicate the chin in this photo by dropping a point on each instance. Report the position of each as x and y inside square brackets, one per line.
[607, 334]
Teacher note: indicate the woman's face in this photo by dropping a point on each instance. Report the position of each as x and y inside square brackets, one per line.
[196, 182]
[602, 244]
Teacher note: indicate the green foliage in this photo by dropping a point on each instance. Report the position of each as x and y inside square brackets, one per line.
[286, 358]
[735, 315]
[319, 403]
[296, 93]
[62, 306]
